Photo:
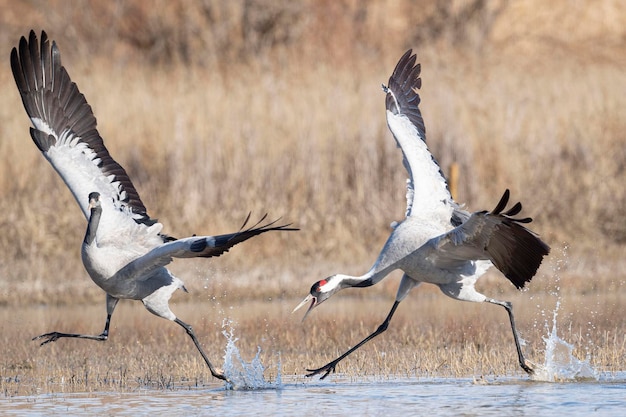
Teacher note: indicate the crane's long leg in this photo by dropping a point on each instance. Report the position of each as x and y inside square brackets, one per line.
[54, 336]
[509, 308]
[330, 366]
[215, 372]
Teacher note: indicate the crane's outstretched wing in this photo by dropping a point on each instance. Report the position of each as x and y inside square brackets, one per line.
[64, 129]
[516, 251]
[196, 246]
[426, 184]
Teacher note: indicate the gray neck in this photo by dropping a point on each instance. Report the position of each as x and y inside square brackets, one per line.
[373, 276]
[92, 225]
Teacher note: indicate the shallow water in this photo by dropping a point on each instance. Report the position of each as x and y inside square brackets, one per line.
[562, 385]
[340, 396]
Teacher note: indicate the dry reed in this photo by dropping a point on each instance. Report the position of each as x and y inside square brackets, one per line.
[296, 128]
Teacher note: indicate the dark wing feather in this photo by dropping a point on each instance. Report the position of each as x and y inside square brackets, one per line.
[515, 250]
[217, 245]
[59, 112]
[404, 82]
[193, 247]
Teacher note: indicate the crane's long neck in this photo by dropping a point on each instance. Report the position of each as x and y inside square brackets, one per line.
[373, 276]
[92, 225]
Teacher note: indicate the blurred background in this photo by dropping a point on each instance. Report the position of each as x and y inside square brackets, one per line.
[220, 108]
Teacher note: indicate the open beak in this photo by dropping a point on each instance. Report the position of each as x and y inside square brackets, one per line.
[308, 298]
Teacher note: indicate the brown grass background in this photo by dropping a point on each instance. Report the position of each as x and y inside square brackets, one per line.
[218, 108]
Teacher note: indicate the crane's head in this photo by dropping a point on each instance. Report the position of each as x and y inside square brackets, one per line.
[320, 292]
[94, 200]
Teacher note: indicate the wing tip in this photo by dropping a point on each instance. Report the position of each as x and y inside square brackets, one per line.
[58, 109]
[401, 91]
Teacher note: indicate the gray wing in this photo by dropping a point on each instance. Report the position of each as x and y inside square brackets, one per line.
[496, 236]
[194, 247]
[64, 128]
[426, 183]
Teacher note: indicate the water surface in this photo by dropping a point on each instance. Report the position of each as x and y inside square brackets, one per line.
[341, 396]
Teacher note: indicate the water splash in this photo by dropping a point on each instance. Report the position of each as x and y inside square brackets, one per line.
[560, 364]
[241, 374]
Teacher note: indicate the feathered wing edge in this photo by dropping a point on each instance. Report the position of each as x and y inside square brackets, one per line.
[59, 111]
[197, 246]
[217, 245]
[516, 251]
[402, 99]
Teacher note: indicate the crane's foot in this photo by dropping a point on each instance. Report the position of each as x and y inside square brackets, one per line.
[50, 337]
[219, 374]
[327, 369]
[526, 367]
[54, 336]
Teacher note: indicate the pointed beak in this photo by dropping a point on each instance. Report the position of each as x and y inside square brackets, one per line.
[308, 298]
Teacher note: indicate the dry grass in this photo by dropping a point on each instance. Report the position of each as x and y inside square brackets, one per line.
[293, 125]
[221, 108]
[431, 335]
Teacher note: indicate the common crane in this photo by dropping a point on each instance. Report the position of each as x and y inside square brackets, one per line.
[438, 242]
[123, 251]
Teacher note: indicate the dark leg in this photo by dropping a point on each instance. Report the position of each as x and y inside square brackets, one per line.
[509, 308]
[330, 366]
[54, 336]
[215, 372]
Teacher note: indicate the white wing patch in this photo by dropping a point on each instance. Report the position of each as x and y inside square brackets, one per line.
[42, 126]
[425, 182]
[77, 164]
